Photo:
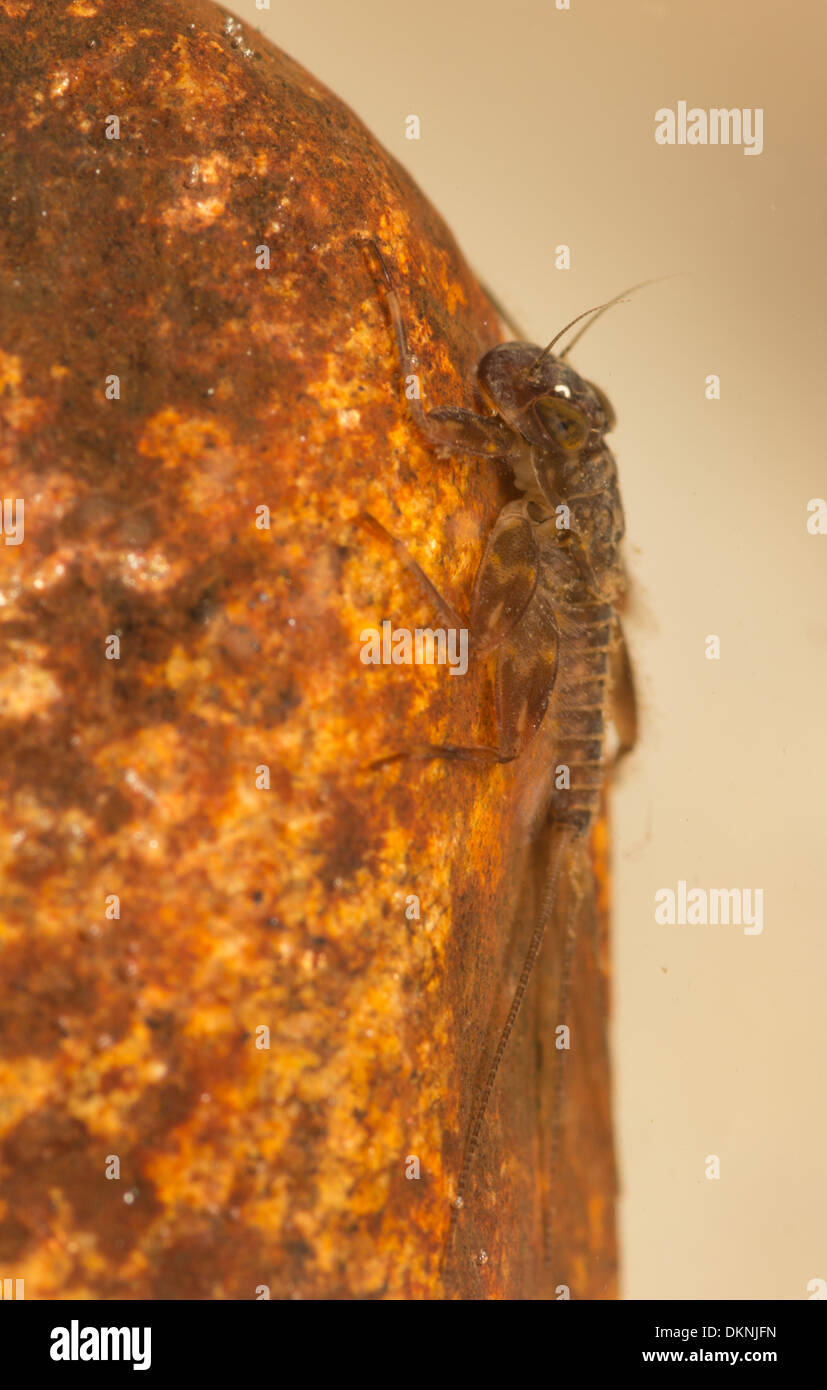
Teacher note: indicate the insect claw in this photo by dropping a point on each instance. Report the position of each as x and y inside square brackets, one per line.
[382, 762]
[369, 523]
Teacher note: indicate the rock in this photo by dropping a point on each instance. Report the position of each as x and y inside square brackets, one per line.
[224, 1033]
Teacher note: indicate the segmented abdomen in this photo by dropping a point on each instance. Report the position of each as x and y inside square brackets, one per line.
[578, 708]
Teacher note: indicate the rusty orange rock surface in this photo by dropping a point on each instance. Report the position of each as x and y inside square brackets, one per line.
[219, 983]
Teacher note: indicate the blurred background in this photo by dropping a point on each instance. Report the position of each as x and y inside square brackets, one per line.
[537, 130]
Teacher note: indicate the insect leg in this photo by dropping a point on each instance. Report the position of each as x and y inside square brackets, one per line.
[445, 610]
[451, 618]
[507, 617]
[447, 427]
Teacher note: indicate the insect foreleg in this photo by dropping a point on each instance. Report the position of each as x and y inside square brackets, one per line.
[446, 427]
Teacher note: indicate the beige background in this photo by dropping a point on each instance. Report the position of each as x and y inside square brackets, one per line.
[538, 129]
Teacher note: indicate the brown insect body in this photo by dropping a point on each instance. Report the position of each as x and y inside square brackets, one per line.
[563, 537]
[544, 601]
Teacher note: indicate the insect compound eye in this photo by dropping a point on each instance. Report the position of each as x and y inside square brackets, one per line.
[565, 424]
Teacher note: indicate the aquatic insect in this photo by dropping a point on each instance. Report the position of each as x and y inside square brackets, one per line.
[545, 604]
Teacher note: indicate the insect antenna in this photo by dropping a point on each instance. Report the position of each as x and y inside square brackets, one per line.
[593, 315]
[598, 309]
[558, 858]
[621, 298]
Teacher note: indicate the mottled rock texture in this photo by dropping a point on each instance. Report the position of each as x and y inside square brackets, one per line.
[137, 1037]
